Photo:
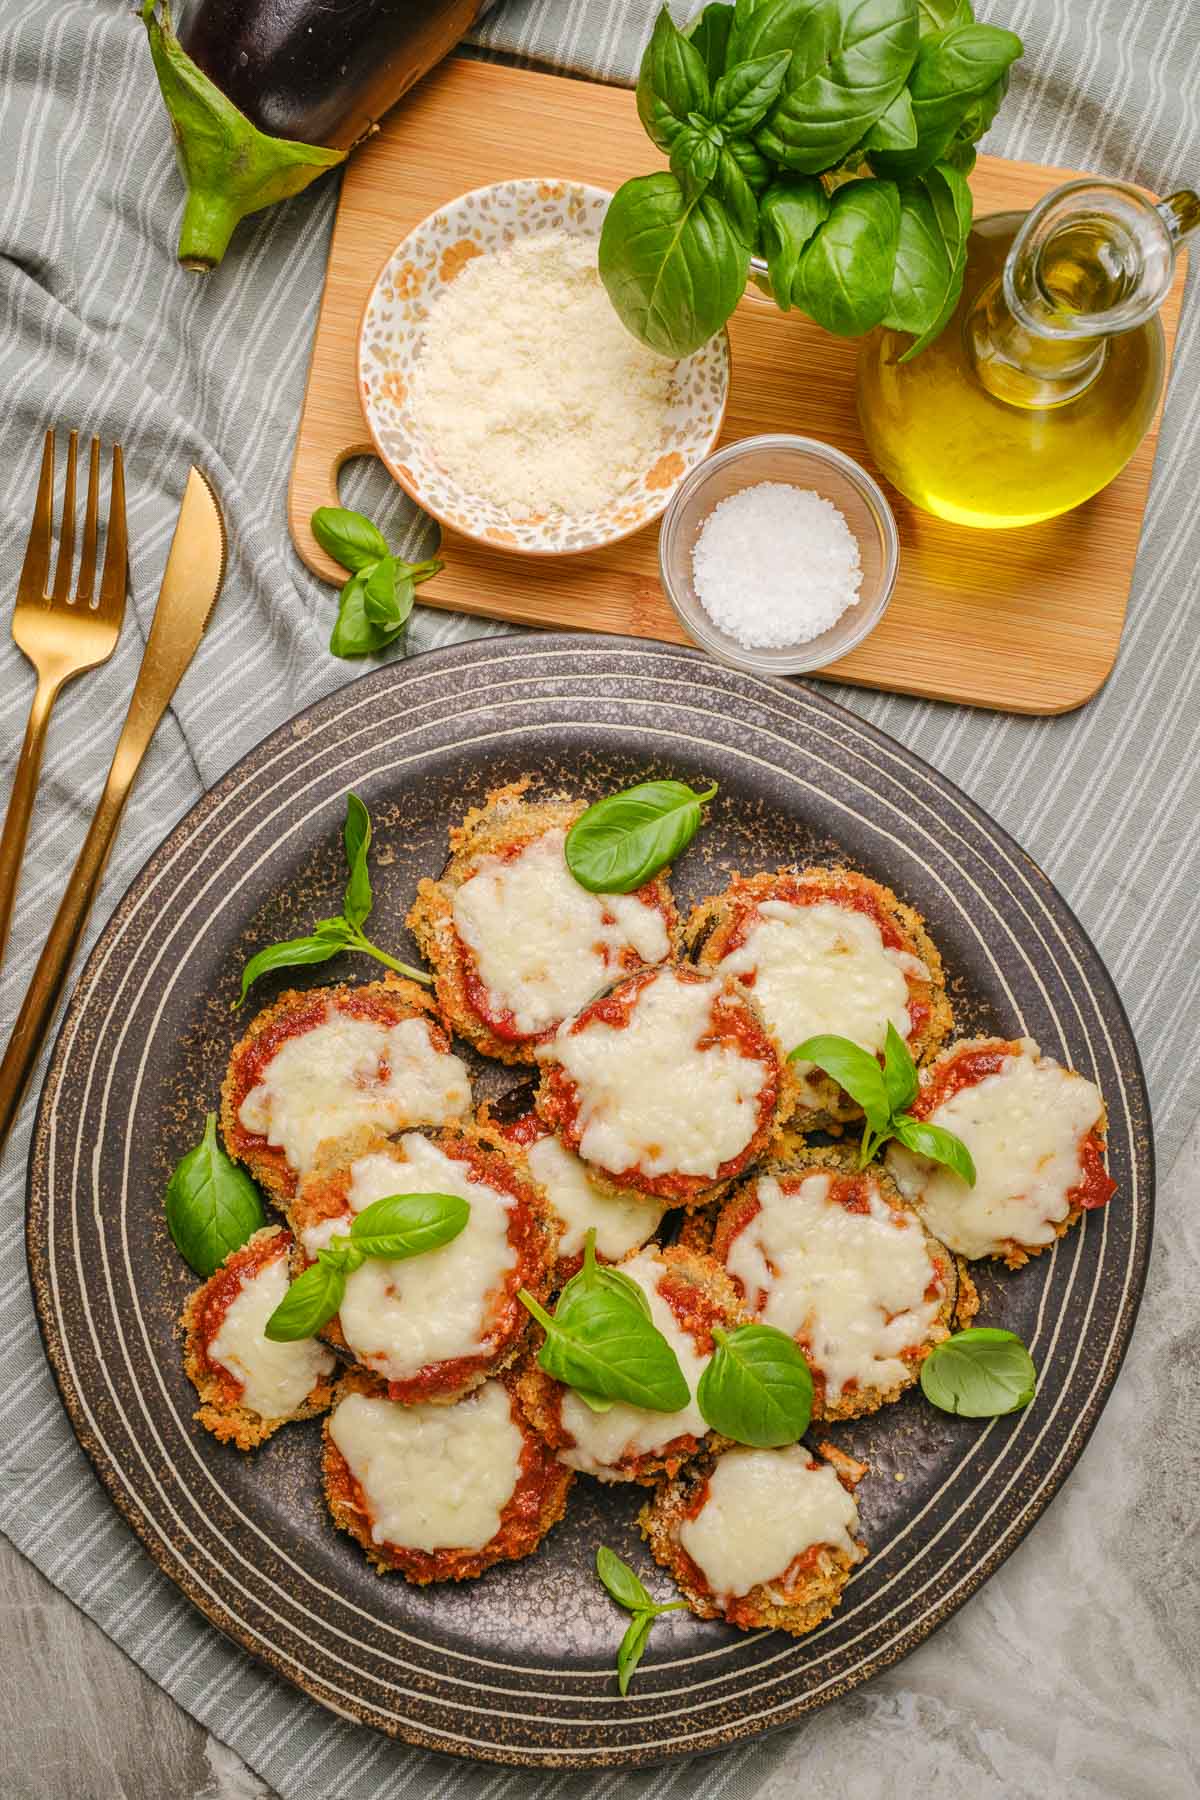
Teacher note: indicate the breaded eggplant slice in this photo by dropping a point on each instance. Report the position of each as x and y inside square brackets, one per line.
[516, 945]
[688, 1294]
[622, 1220]
[669, 1084]
[249, 1386]
[835, 1257]
[826, 950]
[440, 1493]
[1035, 1132]
[764, 1539]
[328, 1061]
[436, 1325]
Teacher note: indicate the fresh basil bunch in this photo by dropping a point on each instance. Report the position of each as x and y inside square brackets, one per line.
[376, 601]
[833, 137]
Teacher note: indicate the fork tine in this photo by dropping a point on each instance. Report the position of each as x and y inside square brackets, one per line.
[87, 556]
[35, 570]
[115, 579]
[66, 540]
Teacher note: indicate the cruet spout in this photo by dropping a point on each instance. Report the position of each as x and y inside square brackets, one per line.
[1095, 257]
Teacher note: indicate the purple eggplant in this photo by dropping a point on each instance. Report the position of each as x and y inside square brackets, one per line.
[265, 95]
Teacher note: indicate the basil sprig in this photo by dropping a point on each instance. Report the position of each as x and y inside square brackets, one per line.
[626, 1589]
[394, 1229]
[212, 1206]
[376, 601]
[885, 1094]
[980, 1373]
[602, 1342]
[329, 937]
[836, 139]
[622, 841]
[757, 1388]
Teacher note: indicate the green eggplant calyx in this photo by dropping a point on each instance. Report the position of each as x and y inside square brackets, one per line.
[230, 167]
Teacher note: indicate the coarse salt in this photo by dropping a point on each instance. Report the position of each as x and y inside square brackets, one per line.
[529, 390]
[776, 565]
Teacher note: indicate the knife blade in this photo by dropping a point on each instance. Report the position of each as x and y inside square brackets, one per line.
[191, 584]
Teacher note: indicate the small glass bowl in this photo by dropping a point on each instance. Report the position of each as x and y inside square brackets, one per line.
[801, 462]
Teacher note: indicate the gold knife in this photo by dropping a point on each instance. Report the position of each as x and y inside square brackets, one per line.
[190, 585]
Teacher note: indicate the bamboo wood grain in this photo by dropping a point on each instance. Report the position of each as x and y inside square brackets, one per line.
[1028, 621]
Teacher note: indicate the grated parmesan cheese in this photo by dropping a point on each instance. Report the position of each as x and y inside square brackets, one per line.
[775, 565]
[529, 390]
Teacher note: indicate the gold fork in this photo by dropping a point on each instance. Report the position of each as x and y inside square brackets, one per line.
[62, 635]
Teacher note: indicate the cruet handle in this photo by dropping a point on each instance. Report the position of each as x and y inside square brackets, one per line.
[1181, 213]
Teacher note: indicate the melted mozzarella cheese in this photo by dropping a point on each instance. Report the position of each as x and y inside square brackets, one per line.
[824, 968]
[649, 1097]
[851, 1284]
[603, 1439]
[433, 1477]
[276, 1378]
[543, 945]
[763, 1509]
[398, 1316]
[1023, 1127]
[622, 1223]
[350, 1072]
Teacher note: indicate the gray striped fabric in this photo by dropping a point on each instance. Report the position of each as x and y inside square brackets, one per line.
[99, 329]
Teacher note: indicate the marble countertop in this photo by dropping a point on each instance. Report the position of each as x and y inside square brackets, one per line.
[1073, 1675]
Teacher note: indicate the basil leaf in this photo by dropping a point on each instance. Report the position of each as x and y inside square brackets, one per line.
[212, 1206]
[593, 1401]
[618, 844]
[854, 1069]
[333, 931]
[848, 64]
[673, 268]
[348, 537]
[736, 195]
[354, 634]
[632, 1645]
[404, 1225]
[340, 1251]
[843, 279]
[592, 1276]
[620, 1581]
[939, 15]
[294, 953]
[674, 69]
[752, 164]
[757, 1389]
[608, 1349]
[980, 1373]
[356, 836]
[693, 161]
[791, 211]
[953, 71]
[895, 128]
[899, 1071]
[311, 1301]
[745, 93]
[937, 1144]
[709, 33]
[389, 592]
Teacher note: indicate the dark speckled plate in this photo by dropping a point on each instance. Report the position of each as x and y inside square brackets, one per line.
[517, 1667]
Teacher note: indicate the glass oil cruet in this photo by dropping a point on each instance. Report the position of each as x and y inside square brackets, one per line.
[1047, 376]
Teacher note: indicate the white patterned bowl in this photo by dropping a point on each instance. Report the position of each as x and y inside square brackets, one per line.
[390, 343]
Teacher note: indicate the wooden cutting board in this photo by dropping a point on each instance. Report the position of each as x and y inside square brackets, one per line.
[1026, 620]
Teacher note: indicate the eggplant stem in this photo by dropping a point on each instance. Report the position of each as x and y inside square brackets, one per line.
[208, 224]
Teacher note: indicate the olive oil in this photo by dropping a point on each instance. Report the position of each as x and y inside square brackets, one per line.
[993, 426]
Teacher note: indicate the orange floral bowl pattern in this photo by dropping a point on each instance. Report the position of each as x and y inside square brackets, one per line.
[390, 342]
